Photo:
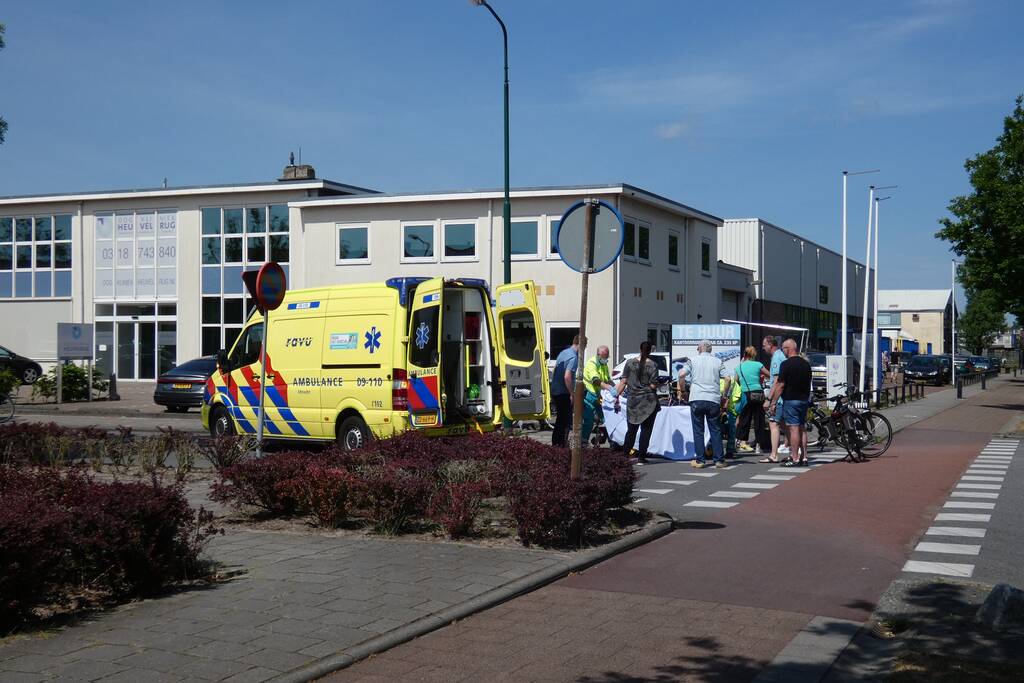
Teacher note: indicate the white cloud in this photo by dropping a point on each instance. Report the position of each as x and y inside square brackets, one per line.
[671, 131]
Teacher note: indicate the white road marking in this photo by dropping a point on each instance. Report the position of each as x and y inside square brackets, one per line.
[969, 477]
[966, 532]
[734, 494]
[985, 473]
[944, 568]
[974, 494]
[679, 482]
[789, 470]
[700, 474]
[989, 466]
[659, 492]
[969, 505]
[640, 500]
[710, 504]
[961, 517]
[772, 477]
[988, 487]
[948, 548]
[745, 485]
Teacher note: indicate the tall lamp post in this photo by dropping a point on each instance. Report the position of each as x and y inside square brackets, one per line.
[506, 208]
[952, 303]
[874, 294]
[842, 325]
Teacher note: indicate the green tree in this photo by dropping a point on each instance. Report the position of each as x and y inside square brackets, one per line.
[982, 320]
[3, 124]
[988, 228]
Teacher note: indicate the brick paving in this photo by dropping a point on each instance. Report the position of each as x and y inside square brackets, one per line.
[567, 634]
[302, 597]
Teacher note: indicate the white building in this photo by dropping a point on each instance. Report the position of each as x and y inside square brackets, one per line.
[158, 270]
[795, 281]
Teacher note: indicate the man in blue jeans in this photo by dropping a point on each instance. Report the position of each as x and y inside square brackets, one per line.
[706, 400]
[793, 385]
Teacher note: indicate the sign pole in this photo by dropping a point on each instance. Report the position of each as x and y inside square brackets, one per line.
[60, 377]
[578, 392]
[89, 394]
[263, 385]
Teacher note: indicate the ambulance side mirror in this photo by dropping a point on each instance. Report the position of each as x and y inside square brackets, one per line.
[223, 362]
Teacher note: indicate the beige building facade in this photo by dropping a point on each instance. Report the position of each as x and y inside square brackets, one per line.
[158, 271]
[924, 315]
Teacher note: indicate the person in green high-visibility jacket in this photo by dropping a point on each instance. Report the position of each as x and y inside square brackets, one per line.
[596, 377]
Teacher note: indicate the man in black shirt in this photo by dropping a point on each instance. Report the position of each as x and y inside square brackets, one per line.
[794, 386]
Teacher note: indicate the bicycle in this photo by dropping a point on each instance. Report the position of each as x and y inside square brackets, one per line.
[863, 434]
[6, 408]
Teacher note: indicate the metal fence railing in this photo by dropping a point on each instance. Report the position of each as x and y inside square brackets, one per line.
[894, 394]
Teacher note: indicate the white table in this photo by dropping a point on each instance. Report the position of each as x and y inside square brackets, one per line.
[672, 436]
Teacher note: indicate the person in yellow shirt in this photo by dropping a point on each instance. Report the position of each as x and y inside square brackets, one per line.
[729, 413]
[596, 377]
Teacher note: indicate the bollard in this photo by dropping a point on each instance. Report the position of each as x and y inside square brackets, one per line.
[959, 388]
[113, 388]
[983, 380]
[903, 394]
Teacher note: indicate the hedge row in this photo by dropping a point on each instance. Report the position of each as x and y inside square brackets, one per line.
[62, 534]
[411, 477]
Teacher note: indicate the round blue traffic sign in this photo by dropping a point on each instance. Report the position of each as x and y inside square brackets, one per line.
[270, 286]
[608, 236]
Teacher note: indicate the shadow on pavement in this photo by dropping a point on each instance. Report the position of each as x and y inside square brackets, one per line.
[705, 664]
[698, 526]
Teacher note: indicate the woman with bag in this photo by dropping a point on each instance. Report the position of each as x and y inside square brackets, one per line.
[640, 376]
[749, 375]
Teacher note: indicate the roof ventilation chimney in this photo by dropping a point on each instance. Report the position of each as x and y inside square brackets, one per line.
[297, 172]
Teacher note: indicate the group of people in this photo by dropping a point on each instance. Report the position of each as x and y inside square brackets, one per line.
[737, 401]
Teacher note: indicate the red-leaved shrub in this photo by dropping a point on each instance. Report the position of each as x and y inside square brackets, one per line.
[273, 482]
[61, 531]
[324, 491]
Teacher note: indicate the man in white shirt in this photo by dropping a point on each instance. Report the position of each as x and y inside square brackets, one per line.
[706, 400]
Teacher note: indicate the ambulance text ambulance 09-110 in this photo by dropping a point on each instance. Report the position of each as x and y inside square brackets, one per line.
[352, 362]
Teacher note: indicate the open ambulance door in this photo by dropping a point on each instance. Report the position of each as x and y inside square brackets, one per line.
[424, 355]
[521, 365]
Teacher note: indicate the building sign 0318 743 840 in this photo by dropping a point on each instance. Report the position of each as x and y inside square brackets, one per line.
[136, 255]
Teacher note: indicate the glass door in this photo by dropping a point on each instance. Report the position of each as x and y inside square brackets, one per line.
[145, 334]
[126, 338]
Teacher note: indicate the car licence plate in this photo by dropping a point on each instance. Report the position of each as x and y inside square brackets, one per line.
[182, 386]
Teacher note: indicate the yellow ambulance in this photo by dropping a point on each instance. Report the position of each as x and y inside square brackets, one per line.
[353, 362]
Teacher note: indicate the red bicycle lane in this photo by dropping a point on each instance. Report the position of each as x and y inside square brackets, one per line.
[828, 542]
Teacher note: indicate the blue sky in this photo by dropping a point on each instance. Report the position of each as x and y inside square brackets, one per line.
[739, 109]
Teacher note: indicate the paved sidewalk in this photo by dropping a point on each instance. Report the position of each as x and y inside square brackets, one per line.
[300, 598]
[773, 589]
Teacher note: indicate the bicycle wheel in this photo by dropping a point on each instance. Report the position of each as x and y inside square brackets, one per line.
[874, 432]
[814, 434]
[6, 409]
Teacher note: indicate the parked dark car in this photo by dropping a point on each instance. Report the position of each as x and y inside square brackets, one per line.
[181, 387]
[964, 365]
[983, 363]
[25, 369]
[927, 370]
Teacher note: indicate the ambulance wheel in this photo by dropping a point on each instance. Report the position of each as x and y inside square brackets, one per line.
[220, 423]
[353, 433]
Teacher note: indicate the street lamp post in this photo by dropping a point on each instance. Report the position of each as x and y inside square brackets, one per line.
[874, 294]
[842, 324]
[506, 208]
[952, 336]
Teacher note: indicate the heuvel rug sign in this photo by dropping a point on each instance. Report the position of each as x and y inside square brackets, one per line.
[74, 341]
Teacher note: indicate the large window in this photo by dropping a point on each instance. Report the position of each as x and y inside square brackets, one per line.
[235, 239]
[629, 240]
[525, 240]
[705, 257]
[353, 244]
[35, 256]
[673, 250]
[418, 241]
[459, 241]
[822, 294]
[643, 245]
[553, 236]
[137, 255]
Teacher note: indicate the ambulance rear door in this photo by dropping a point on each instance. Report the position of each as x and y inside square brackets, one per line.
[424, 355]
[520, 360]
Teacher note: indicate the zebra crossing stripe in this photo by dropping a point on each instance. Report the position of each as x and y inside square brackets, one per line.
[659, 492]
[944, 568]
[948, 548]
[965, 532]
[678, 482]
[969, 505]
[734, 494]
[772, 477]
[974, 494]
[962, 517]
[989, 487]
[745, 485]
[710, 504]
[970, 477]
